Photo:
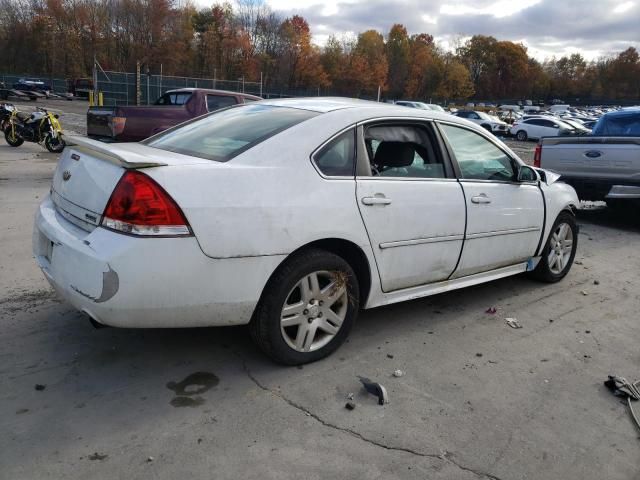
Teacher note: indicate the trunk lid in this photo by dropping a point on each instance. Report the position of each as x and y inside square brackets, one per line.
[88, 172]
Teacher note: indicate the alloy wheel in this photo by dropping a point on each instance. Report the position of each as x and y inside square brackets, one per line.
[314, 310]
[561, 246]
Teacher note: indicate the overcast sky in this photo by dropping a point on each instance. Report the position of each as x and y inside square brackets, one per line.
[546, 27]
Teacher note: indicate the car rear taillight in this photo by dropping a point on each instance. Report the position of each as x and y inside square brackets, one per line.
[117, 125]
[537, 155]
[139, 206]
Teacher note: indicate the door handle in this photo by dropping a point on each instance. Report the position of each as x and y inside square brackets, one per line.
[482, 198]
[379, 199]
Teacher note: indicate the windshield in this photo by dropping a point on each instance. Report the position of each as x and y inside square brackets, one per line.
[222, 135]
[483, 116]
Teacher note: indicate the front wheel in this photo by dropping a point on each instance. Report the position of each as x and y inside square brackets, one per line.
[12, 138]
[54, 144]
[522, 135]
[307, 309]
[560, 250]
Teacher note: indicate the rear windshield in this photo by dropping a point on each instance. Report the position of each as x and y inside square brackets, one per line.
[222, 135]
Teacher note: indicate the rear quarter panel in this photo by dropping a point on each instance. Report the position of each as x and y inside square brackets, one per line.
[269, 200]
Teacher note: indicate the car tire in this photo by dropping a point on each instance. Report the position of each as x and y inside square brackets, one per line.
[286, 315]
[549, 269]
[522, 135]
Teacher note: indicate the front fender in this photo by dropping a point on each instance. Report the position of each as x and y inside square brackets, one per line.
[558, 197]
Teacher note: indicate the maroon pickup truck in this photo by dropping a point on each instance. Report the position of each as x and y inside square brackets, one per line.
[135, 123]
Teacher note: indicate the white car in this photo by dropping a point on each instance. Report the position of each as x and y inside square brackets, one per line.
[290, 216]
[488, 122]
[538, 127]
[421, 105]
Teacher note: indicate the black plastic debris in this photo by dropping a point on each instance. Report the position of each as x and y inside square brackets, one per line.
[375, 389]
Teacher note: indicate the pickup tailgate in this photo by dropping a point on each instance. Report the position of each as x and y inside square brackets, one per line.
[99, 122]
[602, 158]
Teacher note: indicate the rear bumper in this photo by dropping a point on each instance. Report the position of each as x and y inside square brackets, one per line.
[602, 189]
[124, 281]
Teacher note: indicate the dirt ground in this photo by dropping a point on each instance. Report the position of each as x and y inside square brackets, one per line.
[478, 399]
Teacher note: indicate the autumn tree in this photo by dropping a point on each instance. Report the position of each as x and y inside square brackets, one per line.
[398, 52]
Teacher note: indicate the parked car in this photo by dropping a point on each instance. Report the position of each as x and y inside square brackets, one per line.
[538, 127]
[135, 123]
[580, 127]
[421, 105]
[291, 216]
[489, 123]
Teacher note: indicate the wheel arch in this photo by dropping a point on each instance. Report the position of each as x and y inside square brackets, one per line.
[350, 252]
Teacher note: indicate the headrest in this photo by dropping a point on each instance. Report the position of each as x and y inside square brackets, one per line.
[394, 154]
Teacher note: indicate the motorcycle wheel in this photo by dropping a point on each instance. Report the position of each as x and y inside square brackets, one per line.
[54, 144]
[14, 141]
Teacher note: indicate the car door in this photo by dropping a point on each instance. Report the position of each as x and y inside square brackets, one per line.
[548, 128]
[411, 204]
[504, 216]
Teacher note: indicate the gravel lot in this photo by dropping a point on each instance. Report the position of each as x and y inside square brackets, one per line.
[478, 400]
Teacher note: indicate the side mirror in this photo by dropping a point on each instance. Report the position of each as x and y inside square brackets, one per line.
[527, 174]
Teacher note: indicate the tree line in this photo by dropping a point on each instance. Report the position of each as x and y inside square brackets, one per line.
[59, 38]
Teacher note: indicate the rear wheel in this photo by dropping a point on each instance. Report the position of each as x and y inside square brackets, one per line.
[307, 309]
[54, 144]
[560, 250]
[12, 138]
[522, 135]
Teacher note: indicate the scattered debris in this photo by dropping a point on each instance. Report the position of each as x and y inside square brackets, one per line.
[40, 387]
[375, 389]
[478, 354]
[350, 405]
[578, 262]
[587, 356]
[587, 331]
[97, 456]
[551, 320]
[621, 387]
[513, 323]
[491, 310]
[199, 441]
[596, 282]
[546, 381]
[389, 355]
[584, 292]
[350, 396]
[398, 373]
[150, 459]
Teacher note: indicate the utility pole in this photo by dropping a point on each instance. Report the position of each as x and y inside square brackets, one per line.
[261, 84]
[379, 93]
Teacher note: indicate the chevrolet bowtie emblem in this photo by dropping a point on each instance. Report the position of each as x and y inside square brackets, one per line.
[66, 175]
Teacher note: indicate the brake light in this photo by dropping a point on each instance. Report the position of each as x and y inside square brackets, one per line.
[537, 155]
[139, 206]
[117, 125]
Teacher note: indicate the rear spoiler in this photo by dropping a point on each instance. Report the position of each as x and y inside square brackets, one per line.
[111, 153]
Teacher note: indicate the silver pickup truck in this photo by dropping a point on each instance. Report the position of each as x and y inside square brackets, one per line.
[604, 166]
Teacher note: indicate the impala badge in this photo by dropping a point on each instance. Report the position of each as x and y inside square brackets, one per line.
[66, 175]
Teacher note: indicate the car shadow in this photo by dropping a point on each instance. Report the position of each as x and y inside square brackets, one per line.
[597, 213]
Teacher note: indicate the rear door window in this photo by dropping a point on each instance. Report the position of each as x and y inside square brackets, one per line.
[225, 134]
[404, 151]
[216, 102]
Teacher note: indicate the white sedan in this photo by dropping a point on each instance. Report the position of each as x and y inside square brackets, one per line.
[291, 216]
[538, 127]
